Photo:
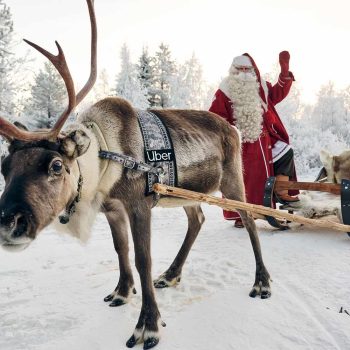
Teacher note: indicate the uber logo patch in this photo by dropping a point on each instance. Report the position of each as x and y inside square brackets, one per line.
[160, 155]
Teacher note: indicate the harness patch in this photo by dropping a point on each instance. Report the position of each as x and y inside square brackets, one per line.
[159, 150]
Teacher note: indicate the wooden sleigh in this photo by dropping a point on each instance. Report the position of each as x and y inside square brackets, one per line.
[275, 217]
[342, 190]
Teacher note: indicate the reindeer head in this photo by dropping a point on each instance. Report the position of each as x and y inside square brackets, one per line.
[337, 167]
[39, 170]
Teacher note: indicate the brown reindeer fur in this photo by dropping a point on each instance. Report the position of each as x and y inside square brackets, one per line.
[208, 158]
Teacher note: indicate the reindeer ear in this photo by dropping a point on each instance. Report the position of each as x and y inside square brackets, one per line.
[326, 158]
[75, 144]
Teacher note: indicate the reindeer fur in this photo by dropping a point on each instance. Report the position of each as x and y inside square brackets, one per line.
[208, 157]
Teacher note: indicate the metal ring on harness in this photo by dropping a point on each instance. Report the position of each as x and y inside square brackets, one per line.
[160, 174]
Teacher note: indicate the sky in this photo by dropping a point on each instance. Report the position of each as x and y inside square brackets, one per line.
[315, 33]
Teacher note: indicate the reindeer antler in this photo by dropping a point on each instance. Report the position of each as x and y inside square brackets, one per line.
[60, 64]
[93, 60]
[10, 131]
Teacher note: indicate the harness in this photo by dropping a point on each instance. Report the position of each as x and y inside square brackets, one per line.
[70, 209]
[160, 164]
[159, 150]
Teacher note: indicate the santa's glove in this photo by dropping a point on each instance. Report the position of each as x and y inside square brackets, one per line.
[284, 63]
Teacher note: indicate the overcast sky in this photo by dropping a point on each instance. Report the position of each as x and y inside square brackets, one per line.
[315, 32]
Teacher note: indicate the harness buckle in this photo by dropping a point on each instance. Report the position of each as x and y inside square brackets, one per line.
[128, 163]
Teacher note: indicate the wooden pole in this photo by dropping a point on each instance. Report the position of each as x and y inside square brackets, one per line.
[309, 186]
[229, 204]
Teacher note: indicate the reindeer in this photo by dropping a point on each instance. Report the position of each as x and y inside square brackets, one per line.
[47, 171]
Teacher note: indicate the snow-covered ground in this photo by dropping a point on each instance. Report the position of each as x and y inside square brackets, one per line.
[51, 295]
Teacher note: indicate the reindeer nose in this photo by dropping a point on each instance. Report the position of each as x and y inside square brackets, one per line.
[7, 218]
[16, 223]
[21, 225]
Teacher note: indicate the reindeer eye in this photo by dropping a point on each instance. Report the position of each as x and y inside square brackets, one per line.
[57, 167]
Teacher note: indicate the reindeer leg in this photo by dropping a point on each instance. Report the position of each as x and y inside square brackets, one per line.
[262, 277]
[232, 187]
[172, 275]
[147, 327]
[117, 220]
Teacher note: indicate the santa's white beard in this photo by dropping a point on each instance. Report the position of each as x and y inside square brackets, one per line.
[243, 90]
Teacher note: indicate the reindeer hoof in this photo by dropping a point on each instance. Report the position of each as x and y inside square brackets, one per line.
[160, 284]
[163, 282]
[264, 292]
[108, 297]
[117, 302]
[150, 343]
[117, 299]
[131, 342]
[253, 293]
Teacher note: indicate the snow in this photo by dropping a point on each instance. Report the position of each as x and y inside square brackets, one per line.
[51, 294]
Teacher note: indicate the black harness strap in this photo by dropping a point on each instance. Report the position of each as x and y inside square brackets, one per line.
[159, 150]
[131, 163]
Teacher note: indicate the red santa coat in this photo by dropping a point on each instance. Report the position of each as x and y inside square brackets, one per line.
[257, 156]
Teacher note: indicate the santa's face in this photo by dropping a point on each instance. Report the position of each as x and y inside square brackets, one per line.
[245, 74]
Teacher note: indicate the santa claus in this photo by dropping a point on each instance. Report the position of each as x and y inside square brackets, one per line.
[248, 102]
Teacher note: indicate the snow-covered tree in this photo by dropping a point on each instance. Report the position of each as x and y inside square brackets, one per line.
[307, 142]
[145, 73]
[330, 111]
[187, 87]
[48, 98]
[102, 88]
[195, 83]
[7, 61]
[346, 95]
[208, 97]
[165, 69]
[179, 91]
[128, 85]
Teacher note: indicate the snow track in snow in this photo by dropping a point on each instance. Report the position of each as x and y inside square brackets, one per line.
[51, 295]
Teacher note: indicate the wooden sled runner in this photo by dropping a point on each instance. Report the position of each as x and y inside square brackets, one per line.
[262, 211]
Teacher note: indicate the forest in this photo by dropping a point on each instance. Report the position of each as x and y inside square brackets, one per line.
[158, 80]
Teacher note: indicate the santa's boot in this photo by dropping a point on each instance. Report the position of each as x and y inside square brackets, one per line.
[282, 195]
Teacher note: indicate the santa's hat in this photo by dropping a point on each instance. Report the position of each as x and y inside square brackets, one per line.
[242, 61]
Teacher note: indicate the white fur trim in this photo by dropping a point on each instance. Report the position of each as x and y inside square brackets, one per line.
[242, 61]
[281, 82]
[266, 92]
[279, 149]
[263, 154]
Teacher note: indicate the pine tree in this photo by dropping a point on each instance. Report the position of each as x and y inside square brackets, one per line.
[346, 94]
[7, 61]
[330, 110]
[165, 69]
[179, 91]
[128, 85]
[48, 98]
[102, 88]
[187, 87]
[145, 73]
